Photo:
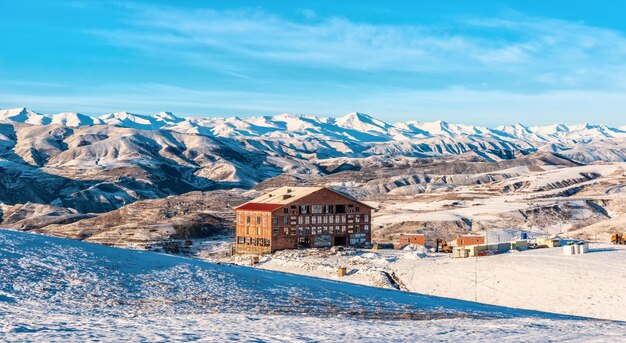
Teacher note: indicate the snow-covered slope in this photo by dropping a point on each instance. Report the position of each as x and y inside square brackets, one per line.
[23, 115]
[73, 119]
[134, 121]
[57, 289]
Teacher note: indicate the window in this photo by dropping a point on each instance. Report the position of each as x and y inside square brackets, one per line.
[325, 219]
[307, 231]
[340, 209]
[274, 221]
[330, 219]
[301, 220]
[304, 209]
[285, 220]
[286, 230]
[366, 228]
[247, 219]
[258, 220]
[306, 220]
[300, 230]
[358, 209]
[247, 230]
[328, 208]
[285, 210]
[258, 230]
[317, 209]
[275, 231]
[357, 218]
[366, 218]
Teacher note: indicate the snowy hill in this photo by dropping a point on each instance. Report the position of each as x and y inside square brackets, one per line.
[23, 115]
[57, 289]
[134, 121]
[74, 119]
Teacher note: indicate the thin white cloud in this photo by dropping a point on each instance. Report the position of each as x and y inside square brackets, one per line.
[475, 70]
[529, 49]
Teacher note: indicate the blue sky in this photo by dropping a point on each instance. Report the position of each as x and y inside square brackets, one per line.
[476, 62]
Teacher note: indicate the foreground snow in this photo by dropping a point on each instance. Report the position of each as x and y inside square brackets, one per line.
[590, 285]
[57, 289]
[239, 327]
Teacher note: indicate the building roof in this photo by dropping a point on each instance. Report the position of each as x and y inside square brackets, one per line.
[286, 195]
[283, 196]
[253, 206]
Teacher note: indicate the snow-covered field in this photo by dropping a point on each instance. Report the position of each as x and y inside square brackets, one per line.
[592, 285]
[54, 289]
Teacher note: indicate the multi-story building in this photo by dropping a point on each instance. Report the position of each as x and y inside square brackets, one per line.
[292, 217]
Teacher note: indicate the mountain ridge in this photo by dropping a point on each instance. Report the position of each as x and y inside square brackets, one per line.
[375, 129]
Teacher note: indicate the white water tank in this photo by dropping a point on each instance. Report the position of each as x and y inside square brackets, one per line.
[568, 250]
[585, 247]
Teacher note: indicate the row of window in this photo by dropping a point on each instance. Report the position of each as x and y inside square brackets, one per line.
[306, 220]
[255, 220]
[258, 230]
[321, 209]
[260, 242]
[328, 219]
[320, 230]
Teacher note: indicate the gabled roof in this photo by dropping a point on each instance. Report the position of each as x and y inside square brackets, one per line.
[285, 195]
[282, 196]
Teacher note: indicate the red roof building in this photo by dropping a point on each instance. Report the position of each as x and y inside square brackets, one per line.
[307, 217]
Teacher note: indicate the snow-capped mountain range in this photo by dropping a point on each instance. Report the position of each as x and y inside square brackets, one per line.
[352, 127]
[353, 135]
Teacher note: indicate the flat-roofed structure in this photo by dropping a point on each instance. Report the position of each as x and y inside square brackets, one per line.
[464, 240]
[308, 217]
[411, 238]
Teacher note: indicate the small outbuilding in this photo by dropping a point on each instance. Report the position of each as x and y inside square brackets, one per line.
[406, 239]
[464, 240]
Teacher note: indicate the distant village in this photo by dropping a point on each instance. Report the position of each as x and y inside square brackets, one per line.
[318, 217]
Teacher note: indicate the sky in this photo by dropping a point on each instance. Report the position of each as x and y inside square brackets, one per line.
[475, 62]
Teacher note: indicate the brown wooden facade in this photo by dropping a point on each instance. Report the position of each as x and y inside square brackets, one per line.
[321, 218]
